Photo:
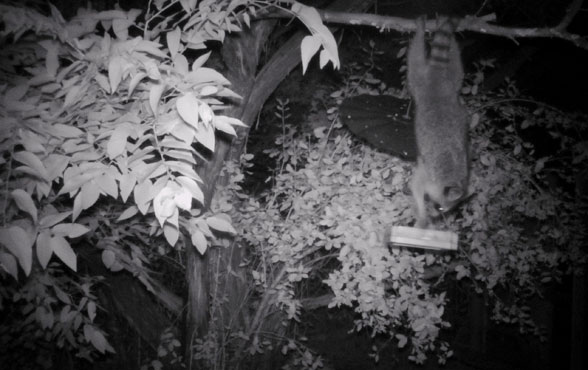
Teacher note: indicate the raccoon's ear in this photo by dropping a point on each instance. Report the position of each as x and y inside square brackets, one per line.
[453, 193]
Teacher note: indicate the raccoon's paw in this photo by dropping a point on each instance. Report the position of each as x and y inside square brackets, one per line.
[422, 223]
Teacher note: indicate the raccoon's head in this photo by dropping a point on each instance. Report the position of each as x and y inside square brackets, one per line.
[444, 199]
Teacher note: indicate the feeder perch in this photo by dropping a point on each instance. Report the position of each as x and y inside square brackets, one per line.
[404, 236]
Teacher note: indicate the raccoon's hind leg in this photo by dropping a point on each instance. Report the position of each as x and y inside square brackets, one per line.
[454, 66]
[418, 188]
[416, 58]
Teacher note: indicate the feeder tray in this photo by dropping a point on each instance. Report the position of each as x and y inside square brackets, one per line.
[404, 236]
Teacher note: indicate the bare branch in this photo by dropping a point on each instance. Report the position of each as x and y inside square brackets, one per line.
[482, 26]
[571, 12]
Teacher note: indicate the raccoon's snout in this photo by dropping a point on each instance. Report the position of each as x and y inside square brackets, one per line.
[435, 208]
[452, 194]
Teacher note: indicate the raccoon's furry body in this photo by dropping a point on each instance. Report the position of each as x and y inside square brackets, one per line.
[441, 122]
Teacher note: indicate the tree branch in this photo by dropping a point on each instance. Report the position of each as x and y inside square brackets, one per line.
[573, 9]
[469, 23]
[482, 26]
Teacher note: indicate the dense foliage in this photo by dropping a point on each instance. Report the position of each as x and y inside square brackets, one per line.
[335, 199]
[97, 128]
[101, 117]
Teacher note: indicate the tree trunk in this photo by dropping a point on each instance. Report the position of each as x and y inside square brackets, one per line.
[578, 341]
[241, 52]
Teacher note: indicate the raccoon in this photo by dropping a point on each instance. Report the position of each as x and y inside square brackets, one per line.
[441, 122]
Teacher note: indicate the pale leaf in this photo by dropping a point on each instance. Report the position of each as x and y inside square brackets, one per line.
[324, 58]
[208, 90]
[127, 183]
[52, 58]
[188, 5]
[187, 106]
[107, 184]
[31, 141]
[182, 155]
[309, 47]
[117, 143]
[150, 47]
[152, 70]
[418, 325]
[307, 14]
[329, 45]
[192, 187]
[199, 241]
[120, 27]
[28, 171]
[66, 131]
[224, 126]
[116, 267]
[99, 341]
[206, 114]
[142, 194]
[16, 93]
[115, 72]
[108, 258]
[91, 308]
[220, 224]
[44, 251]
[18, 242]
[228, 93]
[205, 136]
[53, 219]
[203, 226]
[230, 120]
[63, 297]
[70, 230]
[171, 233]
[185, 169]
[173, 41]
[128, 213]
[77, 206]
[56, 164]
[183, 199]
[402, 340]
[164, 205]
[72, 184]
[90, 193]
[312, 20]
[133, 13]
[88, 330]
[56, 14]
[154, 96]
[174, 219]
[180, 64]
[32, 161]
[25, 202]
[135, 81]
[204, 75]
[43, 189]
[63, 250]
[103, 82]
[8, 262]
[73, 96]
[199, 62]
